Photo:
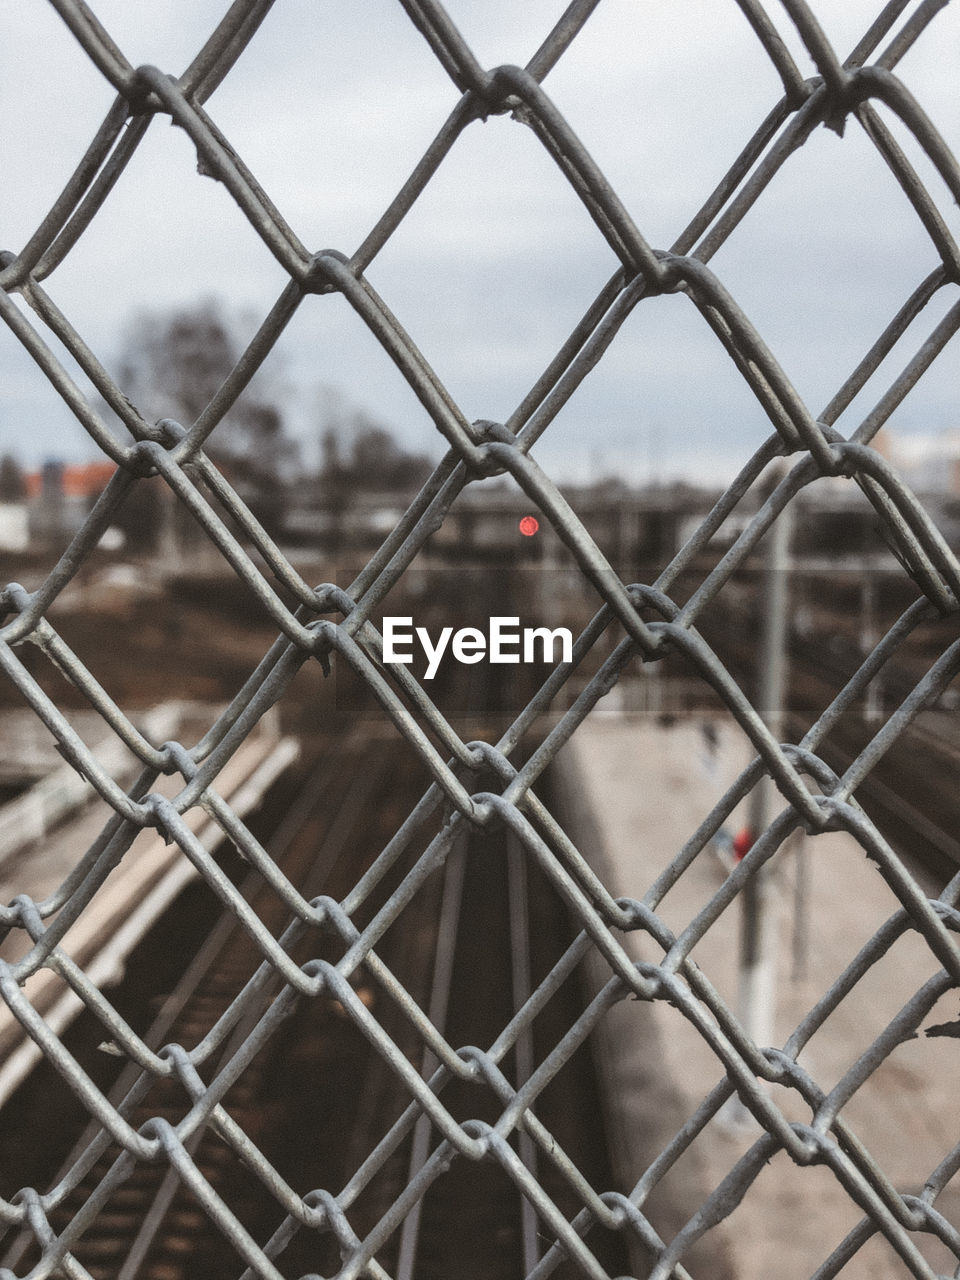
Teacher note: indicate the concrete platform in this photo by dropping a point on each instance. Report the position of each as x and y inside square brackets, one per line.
[636, 791]
[148, 879]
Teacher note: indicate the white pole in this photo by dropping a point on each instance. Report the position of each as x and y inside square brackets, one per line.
[758, 927]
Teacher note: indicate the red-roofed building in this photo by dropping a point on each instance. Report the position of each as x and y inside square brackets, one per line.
[83, 480]
[60, 495]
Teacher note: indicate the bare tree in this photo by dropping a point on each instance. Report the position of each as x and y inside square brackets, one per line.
[366, 457]
[13, 486]
[172, 364]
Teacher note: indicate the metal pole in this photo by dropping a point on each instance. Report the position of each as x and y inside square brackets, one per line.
[873, 702]
[757, 979]
[801, 903]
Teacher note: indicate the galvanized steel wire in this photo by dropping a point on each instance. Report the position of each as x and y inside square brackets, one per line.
[332, 624]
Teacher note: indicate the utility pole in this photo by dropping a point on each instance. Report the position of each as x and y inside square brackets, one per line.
[873, 702]
[758, 924]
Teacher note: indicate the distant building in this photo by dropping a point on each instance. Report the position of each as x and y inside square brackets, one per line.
[60, 495]
[930, 463]
[14, 526]
[75, 480]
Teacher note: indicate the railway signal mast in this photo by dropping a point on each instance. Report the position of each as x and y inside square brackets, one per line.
[758, 925]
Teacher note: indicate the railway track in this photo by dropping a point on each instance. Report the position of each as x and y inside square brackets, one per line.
[150, 1226]
[911, 792]
[317, 1101]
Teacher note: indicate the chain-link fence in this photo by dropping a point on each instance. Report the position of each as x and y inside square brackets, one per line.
[334, 625]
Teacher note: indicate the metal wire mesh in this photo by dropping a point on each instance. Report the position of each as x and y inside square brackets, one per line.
[332, 624]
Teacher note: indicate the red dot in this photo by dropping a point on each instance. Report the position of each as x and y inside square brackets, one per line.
[528, 526]
[742, 842]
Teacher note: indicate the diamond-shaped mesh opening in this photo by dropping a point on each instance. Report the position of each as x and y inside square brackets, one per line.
[332, 112]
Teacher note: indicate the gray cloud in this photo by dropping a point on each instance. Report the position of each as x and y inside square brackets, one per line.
[332, 108]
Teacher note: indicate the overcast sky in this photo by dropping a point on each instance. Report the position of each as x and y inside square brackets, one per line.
[332, 105]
